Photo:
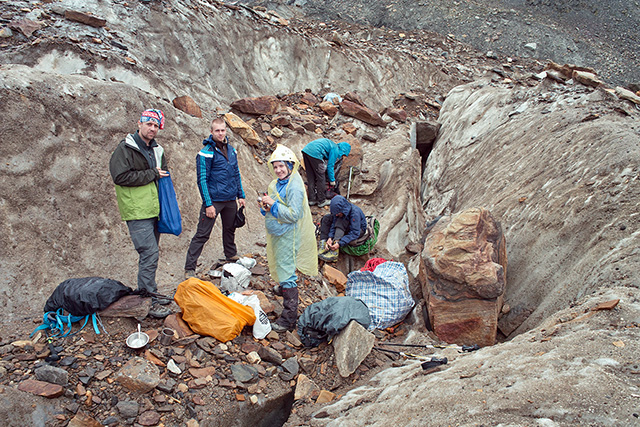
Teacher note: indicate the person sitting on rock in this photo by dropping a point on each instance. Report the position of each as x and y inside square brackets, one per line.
[345, 225]
[320, 157]
[290, 232]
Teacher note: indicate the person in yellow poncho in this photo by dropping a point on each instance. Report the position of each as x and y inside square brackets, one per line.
[290, 232]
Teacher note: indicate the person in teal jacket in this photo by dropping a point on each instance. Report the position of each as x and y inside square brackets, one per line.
[320, 157]
[135, 166]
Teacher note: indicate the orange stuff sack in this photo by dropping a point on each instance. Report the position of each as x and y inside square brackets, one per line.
[208, 312]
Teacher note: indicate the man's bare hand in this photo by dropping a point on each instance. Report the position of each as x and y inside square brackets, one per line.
[210, 211]
[241, 203]
[162, 173]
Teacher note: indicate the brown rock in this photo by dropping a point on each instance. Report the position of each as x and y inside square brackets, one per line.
[202, 372]
[175, 322]
[354, 97]
[83, 420]
[309, 125]
[297, 128]
[281, 121]
[188, 105]
[466, 261]
[128, 306]
[259, 106]
[349, 128]
[25, 26]
[586, 78]
[85, 18]
[266, 127]
[362, 113]
[246, 132]
[397, 114]
[41, 388]
[139, 375]
[309, 99]
[335, 277]
[325, 396]
[329, 108]
[149, 418]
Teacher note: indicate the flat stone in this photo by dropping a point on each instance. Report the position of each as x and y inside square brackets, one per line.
[149, 418]
[128, 306]
[270, 355]
[139, 375]
[362, 113]
[128, 408]
[351, 346]
[53, 375]
[291, 365]
[335, 277]
[325, 396]
[41, 388]
[304, 387]
[26, 26]
[175, 322]
[202, 372]
[83, 420]
[85, 18]
[244, 373]
[329, 108]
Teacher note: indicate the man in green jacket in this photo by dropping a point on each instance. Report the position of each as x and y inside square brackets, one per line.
[136, 165]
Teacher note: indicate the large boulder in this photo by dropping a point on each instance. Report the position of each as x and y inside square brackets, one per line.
[557, 166]
[360, 112]
[466, 260]
[260, 105]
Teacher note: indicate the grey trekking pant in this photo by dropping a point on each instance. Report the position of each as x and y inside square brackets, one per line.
[145, 237]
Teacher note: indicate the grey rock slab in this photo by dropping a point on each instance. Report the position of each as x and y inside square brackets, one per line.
[53, 375]
[351, 346]
[244, 373]
[128, 408]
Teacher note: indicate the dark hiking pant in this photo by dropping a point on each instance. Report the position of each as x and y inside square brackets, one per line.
[289, 314]
[225, 210]
[342, 225]
[145, 237]
[316, 178]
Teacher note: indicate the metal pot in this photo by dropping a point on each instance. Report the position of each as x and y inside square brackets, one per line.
[137, 339]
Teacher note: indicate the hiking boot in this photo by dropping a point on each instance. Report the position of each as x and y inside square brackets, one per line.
[312, 203]
[161, 300]
[278, 328]
[230, 259]
[277, 289]
[326, 202]
[329, 256]
[189, 273]
[158, 311]
[322, 247]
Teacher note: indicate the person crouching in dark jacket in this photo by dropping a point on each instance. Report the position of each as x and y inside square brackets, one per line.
[346, 224]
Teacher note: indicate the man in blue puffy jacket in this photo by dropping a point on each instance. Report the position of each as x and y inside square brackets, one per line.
[221, 190]
[320, 157]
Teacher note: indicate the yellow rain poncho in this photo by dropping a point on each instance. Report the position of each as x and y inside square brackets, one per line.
[291, 242]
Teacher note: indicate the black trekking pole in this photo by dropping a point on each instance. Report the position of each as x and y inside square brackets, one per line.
[428, 363]
[460, 348]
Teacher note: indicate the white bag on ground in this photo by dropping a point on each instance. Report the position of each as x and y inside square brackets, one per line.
[262, 326]
[247, 262]
[235, 278]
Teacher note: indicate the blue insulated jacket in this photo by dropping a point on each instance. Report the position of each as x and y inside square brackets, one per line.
[357, 219]
[326, 149]
[218, 178]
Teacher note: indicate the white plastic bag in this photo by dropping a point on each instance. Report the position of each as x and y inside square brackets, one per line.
[235, 278]
[262, 326]
[246, 262]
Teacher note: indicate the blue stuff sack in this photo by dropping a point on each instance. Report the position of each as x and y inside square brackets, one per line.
[169, 221]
